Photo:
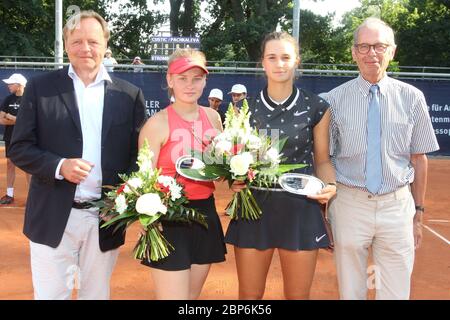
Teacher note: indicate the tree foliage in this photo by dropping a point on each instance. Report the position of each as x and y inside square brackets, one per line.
[422, 28]
[184, 16]
[234, 29]
[131, 27]
[239, 26]
[423, 33]
[320, 42]
[26, 27]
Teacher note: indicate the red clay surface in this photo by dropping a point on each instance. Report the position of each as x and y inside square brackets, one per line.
[131, 280]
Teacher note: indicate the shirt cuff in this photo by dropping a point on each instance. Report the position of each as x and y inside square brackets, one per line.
[57, 175]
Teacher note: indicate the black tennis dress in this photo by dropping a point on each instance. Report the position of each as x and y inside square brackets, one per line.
[288, 221]
[193, 243]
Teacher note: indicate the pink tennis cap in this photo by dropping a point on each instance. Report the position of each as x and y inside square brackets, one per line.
[183, 64]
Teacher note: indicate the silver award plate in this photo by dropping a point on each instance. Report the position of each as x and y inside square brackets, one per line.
[194, 169]
[300, 183]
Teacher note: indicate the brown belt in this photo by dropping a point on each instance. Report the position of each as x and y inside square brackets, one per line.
[82, 205]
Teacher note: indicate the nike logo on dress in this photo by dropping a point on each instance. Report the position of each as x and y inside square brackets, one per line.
[297, 114]
[320, 238]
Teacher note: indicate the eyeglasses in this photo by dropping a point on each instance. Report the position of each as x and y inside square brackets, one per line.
[364, 48]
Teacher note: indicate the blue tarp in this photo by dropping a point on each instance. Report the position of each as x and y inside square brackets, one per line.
[437, 93]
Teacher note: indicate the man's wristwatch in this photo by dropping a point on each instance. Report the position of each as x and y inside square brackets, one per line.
[420, 208]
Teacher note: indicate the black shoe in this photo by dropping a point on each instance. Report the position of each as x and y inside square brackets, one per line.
[6, 199]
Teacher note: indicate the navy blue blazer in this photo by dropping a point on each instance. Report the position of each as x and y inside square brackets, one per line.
[48, 129]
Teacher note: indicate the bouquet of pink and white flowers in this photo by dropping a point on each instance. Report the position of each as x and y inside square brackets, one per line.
[148, 197]
[244, 154]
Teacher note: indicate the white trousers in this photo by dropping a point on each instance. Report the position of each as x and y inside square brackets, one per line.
[359, 221]
[77, 263]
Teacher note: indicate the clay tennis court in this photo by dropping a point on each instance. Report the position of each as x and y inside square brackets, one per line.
[431, 276]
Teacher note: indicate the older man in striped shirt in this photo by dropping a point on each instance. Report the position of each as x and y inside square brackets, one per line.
[380, 133]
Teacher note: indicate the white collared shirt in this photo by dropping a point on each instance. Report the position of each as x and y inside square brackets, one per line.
[90, 102]
[405, 129]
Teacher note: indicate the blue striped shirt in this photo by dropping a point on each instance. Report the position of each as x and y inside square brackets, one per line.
[405, 129]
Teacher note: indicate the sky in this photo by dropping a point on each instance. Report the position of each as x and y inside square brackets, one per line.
[329, 6]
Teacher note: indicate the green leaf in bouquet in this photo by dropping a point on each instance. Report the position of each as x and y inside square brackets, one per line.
[107, 186]
[107, 212]
[229, 115]
[153, 246]
[193, 167]
[146, 220]
[125, 223]
[283, 168]
[268, 176]
[246, 202]
[125, 215]
[278, 144]
[196, 216]
[200, 174]
[231, 179]
[250, 209]
[245, 107]
[233, 206]
[219, 170]
[176, 215]
[177, 202]
[102, 204]
[123, 176]
[186, 215]
[136, 193]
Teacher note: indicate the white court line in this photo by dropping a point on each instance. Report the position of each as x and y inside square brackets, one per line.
[434, 220]
[437, 234]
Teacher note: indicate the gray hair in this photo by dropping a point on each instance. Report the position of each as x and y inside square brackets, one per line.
[73, 22]
[372, 21]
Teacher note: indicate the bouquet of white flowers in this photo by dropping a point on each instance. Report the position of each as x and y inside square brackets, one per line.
[147, 197]
[242, 153]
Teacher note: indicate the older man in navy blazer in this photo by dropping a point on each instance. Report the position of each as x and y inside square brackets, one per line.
[76, 131]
